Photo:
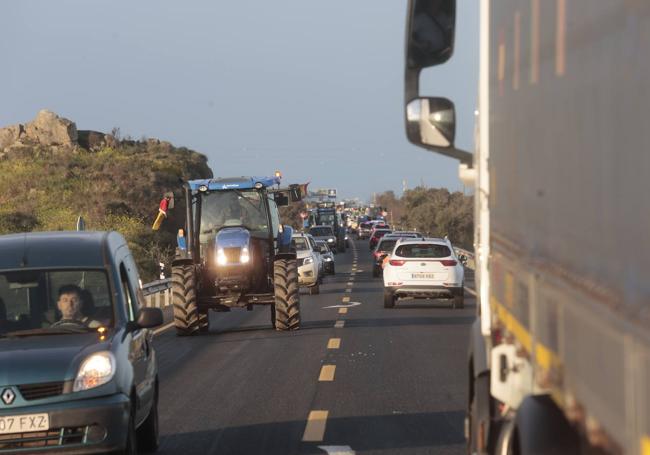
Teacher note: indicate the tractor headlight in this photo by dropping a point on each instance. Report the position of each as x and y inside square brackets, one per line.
[96, 370]
[221, 257]
[327, 258]
[330, 240]
[308, 260]
[244, 257]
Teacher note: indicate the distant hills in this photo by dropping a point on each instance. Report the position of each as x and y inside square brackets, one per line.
[51, 173]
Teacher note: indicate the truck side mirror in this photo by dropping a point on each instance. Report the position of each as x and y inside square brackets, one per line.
[431, 121]
[430, 34]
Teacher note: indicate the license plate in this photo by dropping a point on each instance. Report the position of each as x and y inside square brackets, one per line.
[24, 423]
[423, 276]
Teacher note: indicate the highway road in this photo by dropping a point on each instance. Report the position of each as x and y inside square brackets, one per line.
[353, 379]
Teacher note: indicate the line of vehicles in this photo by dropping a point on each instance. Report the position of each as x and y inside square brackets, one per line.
[78, 371]
[414, 266]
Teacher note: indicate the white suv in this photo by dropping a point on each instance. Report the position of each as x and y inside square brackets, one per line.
[421, 269]
[309, 262]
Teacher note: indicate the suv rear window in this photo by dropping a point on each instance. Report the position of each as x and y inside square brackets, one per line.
[423, 250]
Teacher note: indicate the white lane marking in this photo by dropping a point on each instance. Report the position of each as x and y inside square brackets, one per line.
[350, 283]
[163, 328]
[471, 291]
[339, 324]
[349, 305]
[338, 450]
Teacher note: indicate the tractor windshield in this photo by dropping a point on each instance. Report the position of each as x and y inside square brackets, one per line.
[231, 208]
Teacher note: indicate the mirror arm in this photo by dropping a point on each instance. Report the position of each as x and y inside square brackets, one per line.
[463, 156]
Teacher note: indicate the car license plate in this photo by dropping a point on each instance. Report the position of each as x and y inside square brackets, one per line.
[423, 276]
[24, 423]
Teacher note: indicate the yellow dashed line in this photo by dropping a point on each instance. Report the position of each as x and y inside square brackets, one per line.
[327, 373]
[348, 290]
[334, 343]
[560, 38]
[339, 324]
[343, 310]
[350, 283]
[345, 299]
[315, 428]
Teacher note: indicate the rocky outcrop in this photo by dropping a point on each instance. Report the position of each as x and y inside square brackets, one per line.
[50, 129]
[93, 140]
[46, 129]
[10, 135]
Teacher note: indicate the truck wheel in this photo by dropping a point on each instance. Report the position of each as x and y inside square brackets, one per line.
[287, 294]
[186, 314]
[204, 321]
[389, 300]
[314, 290]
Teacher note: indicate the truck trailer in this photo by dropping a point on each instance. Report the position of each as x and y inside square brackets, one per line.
[559, 358]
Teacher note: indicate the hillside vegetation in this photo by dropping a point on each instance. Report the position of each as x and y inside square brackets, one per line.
[114, 184]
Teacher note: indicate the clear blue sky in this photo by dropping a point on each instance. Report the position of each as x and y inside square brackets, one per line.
[312, 88]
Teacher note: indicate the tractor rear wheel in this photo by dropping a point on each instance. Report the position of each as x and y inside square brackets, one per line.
[186, 312]
[287, 294]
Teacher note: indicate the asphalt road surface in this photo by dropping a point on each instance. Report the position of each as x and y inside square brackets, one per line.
[353, 379]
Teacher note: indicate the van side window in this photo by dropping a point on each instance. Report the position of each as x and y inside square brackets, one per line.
[128, 294]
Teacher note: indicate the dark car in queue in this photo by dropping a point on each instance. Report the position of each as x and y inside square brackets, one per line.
[325, 233]
[326, 254]
[79, 373]
[376, 235]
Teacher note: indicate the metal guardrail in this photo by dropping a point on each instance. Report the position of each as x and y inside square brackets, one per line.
[158, 293]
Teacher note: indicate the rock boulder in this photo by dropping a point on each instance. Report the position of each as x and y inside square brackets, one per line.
[50, 129]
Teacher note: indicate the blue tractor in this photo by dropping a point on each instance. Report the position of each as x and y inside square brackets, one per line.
[237, 253]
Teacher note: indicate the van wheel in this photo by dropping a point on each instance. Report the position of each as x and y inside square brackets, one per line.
[148, 434]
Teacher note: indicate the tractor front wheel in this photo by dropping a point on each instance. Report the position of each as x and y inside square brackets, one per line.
[186, 312]
[287, 294]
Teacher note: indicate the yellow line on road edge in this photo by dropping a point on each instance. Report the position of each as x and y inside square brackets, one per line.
[334, 343]
[343, 310]
[315, 428]
[327, 373]
[163, 328]
[471, 291]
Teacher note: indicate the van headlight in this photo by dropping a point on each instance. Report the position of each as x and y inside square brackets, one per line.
[96, 370]
[308, 260]
[330, 240]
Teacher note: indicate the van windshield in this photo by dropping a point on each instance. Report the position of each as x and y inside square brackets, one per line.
[59, 301]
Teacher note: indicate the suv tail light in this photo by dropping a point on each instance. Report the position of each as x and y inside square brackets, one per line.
[448, 262]
[396, 263]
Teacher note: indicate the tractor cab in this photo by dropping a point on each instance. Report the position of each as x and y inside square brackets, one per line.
[235, 243]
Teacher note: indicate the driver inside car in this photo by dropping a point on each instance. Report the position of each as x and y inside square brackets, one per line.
[70, 304]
